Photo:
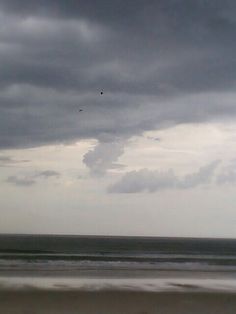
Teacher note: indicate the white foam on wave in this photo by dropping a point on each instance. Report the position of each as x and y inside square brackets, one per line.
[69, 265]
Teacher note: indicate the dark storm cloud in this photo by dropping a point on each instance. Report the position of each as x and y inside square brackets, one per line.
[157, 62]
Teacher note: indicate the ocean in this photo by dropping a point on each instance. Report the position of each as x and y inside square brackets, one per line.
[92, 263]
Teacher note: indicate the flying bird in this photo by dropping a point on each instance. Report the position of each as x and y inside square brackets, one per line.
[101, 93]
[80, 110]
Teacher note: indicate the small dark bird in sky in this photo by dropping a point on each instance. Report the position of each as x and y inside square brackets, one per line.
[80, 110]
[101, 93]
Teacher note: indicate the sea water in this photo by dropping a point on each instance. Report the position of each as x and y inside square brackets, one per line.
[117, 263]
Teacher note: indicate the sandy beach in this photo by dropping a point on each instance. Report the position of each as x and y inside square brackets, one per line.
[102, 302]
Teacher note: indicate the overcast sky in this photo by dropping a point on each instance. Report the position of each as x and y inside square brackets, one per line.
[118, 117]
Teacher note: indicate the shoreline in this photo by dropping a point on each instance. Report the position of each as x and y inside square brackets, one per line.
[166, 284]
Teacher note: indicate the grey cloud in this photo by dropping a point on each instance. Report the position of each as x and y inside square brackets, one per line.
[32, 178]
[104, 157]
[158, 62]
[228, 177]
[228, 174]
[142, 180]
[153, 181]
[203, 175]
[47, 174]
[20, 181]
[7, 161]
[157, 139]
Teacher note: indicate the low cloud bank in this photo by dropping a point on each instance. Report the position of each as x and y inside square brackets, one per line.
[153, 181]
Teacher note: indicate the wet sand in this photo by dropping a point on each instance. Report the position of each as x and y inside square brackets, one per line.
[112, 302]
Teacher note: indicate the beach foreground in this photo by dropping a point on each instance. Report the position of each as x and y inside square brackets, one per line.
[115, 302]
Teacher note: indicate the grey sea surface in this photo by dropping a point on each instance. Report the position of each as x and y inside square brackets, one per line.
[91, 263]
